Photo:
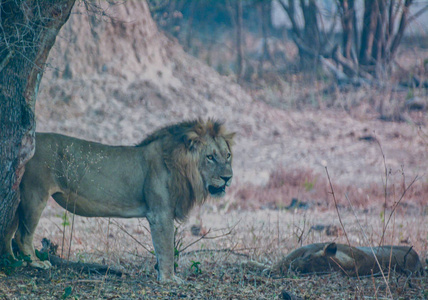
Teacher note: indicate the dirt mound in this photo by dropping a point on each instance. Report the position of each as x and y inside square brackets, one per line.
[118, 78]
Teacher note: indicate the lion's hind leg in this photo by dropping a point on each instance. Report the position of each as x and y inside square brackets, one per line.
[10, 232]
[29, 211]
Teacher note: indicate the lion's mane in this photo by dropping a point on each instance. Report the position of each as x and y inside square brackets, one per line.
[181, 148]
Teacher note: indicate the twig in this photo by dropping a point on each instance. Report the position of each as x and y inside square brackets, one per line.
[385, 191]
[226, 250]
[131, 236]
[337, 208]
[204, 236]
[394, 207]
[344, 271]
[340, 220]
[371, 248]
[6, 60]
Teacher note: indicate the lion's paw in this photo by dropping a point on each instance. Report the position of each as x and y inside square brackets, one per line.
[41, 264]
[177, 280]
[174, 279]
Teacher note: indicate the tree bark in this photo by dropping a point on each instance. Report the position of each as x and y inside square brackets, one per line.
[28, 32]
[309, 38]
[311, 34]
[239, 41]
[401, 28]
[347, 9]
[371, 11]
[235, 10]
[264, 12]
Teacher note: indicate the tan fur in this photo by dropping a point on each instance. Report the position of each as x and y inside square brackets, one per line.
[160, 179]
[353, 261]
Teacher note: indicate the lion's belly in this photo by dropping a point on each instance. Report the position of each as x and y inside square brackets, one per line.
[82, 206]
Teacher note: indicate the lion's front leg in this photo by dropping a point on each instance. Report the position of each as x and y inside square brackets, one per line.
[162, 228]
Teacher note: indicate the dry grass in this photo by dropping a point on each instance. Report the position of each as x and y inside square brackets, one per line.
[313, 190]
[226, 281]
[250, 223]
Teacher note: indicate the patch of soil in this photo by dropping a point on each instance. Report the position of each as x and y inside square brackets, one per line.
[216, 281]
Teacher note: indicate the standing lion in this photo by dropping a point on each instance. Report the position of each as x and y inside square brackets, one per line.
[160, 179]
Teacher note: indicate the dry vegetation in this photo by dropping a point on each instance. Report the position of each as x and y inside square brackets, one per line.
[254, 223]
[290, 128]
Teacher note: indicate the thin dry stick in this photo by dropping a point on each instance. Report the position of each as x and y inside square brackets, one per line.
[132, 237]
[340, 220]
[227, 250]
[390, 253]
[72, 230]
[108, 233]
[335, 205]
[64, 224]
[374, 285]
[204, 236]
[71, 237]
[344, 271]
[394, 207]
[6, 60]
[385, 191]
[277, 228]
[371, 248]
[102, 283]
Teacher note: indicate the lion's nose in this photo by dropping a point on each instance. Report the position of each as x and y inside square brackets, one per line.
[226, 178]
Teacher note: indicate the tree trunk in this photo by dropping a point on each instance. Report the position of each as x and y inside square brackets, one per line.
[371, 10]
[347, 9]
[264, 12]
[308, 42]
[401, 28]
[239, 41]
[378, 52]
[29, 30]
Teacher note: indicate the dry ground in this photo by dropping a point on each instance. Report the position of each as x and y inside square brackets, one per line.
[214, 267]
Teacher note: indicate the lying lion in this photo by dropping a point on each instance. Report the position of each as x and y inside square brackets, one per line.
[353, 261]
[160, 179]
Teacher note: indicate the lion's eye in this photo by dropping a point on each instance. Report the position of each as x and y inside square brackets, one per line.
[228, 155]
[210, 157]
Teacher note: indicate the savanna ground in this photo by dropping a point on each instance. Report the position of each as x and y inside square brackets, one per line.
[373, 144]
[250, 223]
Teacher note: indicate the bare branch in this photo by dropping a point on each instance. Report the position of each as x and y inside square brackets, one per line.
[289, 9]
[401, 28]
[417, 14]
[131, 236]
[6, 60]
[371, 248]
[225, 250]
[204, 236]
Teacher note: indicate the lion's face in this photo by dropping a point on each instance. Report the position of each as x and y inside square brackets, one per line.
[215, 166]
[315, 260]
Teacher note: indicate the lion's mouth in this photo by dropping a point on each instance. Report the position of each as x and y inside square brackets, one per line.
[213, 190]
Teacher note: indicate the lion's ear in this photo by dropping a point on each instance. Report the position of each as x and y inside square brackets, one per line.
[229, 138]
[330, 249]
[192, 140]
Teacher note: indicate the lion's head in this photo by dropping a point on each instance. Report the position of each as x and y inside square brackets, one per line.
[199, 157]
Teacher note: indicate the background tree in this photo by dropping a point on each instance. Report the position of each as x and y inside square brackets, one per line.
[235, 10]
[310, 37]
[367, 51]
[28, 30]
[264, 7]
[383, 25]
